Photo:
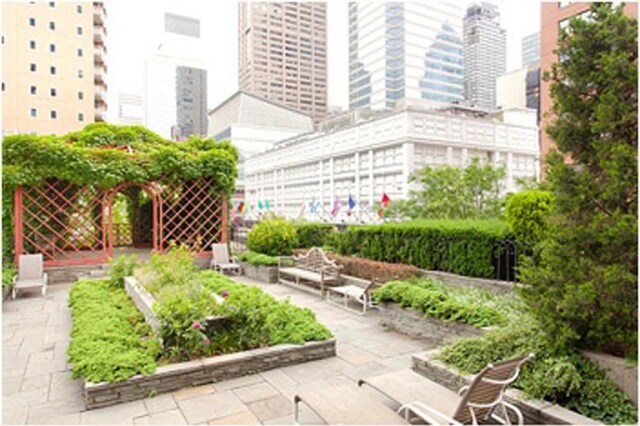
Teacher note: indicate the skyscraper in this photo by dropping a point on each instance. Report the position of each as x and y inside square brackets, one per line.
[531, 50]
[404, 50]
[282, 53]
[53, 66]
[485, 54]
[176, 81]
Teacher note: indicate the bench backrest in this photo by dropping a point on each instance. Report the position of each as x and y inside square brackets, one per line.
[317, 261]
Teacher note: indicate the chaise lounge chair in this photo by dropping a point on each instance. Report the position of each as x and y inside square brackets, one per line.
[221, 261]
[482, 401]
[30, 274]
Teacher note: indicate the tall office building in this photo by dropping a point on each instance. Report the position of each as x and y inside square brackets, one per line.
[175, 99]
[553, 17]
[282, 53]
[403, 51]
[531, 50]
[53, 66]
[485, 54]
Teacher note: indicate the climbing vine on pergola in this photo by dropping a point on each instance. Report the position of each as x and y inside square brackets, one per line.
[58, 192]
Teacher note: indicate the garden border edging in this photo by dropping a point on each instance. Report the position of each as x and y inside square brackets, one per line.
[535, 411]
[262, 273]
[177, 376]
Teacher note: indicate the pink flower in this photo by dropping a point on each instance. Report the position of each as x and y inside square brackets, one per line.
[224, 294]
[206, 341]
[196, 325]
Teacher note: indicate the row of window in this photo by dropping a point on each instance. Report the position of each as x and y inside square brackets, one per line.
[53, 114]
[52, 25]
[53, 70]
[53, 92]
[52, 48]
[52, 4]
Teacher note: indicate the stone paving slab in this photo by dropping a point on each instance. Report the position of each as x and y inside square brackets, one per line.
[38, 387]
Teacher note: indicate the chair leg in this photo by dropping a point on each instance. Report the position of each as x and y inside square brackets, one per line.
[44, 291]
[13, 293]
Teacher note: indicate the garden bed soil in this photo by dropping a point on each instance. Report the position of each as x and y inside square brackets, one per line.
[413, 323]
[266, 274]
[172, 377]
[535, 411]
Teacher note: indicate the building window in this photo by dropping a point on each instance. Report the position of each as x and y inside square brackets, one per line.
[54, 114]
[3, 86]
[33, 90]
[79, 8]
[53, 92]
[80, 52]
[80, 116]
[52, 4]
[33, 112]
[32, 44]
[32, 67]
[32, 22]
[80, 96]
[52, 25]
[80, 74]
[52, 70]
[79, 30]
[52, 48]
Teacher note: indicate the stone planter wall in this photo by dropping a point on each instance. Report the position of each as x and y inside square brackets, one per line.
[616, 368]
[172, 377]
[535, 411]
[503, 287]
[412, 323]
[267, 274]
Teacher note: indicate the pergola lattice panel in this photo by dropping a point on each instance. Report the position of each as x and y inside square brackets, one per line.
[192, 213]
[63, 221]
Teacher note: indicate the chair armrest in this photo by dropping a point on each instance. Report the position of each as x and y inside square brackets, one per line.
[234, 259]
[463, 390]
[45, 278]
[427, 413]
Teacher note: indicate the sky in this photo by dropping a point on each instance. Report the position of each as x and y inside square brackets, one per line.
[134, 31]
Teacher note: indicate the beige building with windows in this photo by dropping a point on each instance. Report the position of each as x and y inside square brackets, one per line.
[54, 71]
[282, 53]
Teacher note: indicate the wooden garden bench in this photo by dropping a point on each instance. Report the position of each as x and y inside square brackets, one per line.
[313, 270]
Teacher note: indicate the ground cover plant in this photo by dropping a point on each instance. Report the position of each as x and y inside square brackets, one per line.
[478, 308]
[110, 341]
[257, 259]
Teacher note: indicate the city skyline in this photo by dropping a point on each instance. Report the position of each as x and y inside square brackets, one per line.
[220, 23]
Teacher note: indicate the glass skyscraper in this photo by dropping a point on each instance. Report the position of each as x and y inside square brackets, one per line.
[403, 50]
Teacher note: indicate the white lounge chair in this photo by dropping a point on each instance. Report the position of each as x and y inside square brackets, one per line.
[351, 292]
[30, 274]
[221, 261]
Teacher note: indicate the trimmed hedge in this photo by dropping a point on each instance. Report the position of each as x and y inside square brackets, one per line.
[465, 247]
[110, 341]
[370, 269]
[313, 234]
[257, 259]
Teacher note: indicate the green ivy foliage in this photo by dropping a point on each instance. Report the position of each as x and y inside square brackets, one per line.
[434, 301]
[563, 377]
[273, 236]
[110, 341]
[122, 267]
[527, 214]
[465, 247]
[313, 234]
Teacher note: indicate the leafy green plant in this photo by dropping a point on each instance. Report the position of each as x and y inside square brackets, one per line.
[110, 341]
[563, 377]
[464, 247]
[8, 272]
[527, 214]
[313, 234]
[257, 259]
[122, 267]
[273, 236]
[174, 268]
[432, 300]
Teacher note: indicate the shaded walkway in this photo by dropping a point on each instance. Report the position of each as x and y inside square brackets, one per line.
[38, 389]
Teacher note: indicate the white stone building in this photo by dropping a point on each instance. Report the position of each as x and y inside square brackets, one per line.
[376, 153]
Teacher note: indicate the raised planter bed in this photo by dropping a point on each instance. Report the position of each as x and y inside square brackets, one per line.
[500, 287]
[172, 377]
[616, 368]
[413, 323]
[535, 411]
[267, 274]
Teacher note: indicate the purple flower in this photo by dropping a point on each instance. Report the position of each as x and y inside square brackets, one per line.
[196, 325]
[206, 341]
[224, 294]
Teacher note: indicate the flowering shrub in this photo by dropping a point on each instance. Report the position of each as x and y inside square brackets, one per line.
[274, 237]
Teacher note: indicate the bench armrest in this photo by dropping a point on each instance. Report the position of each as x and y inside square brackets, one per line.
[281, 258]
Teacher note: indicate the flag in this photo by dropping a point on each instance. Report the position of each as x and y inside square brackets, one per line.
[267, 206]
[336, 207]
[242, 207]
[351, 202]
[259, 204]
[313, 206]
[303, 207]
[385, 200]
[380, 212]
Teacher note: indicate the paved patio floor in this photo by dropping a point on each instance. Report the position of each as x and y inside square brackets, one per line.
[38, 388]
